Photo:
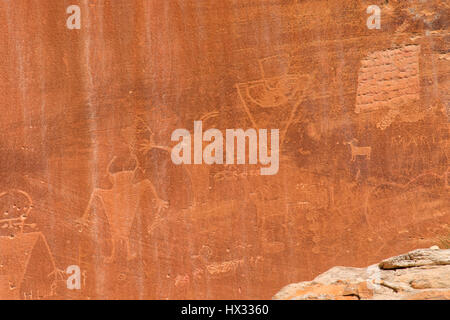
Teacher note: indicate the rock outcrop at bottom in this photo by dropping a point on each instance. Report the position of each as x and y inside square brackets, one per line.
[422, 274]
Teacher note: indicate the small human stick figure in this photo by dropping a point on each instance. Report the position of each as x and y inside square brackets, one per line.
[121, 203]
[359, 151]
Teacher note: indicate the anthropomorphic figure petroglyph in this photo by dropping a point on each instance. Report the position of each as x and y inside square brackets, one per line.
[155, 165]
[21, 245]
[278, 90]
[173, 183]
[120, 204]
[273, 90]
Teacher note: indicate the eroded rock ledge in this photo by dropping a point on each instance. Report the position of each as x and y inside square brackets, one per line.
[419, 274]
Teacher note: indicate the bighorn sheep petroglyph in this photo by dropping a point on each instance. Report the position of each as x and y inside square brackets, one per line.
[359, 151]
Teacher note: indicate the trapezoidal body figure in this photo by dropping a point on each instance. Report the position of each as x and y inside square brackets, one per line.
[121, 203]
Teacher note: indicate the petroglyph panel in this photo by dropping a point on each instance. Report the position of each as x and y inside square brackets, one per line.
[87, 116]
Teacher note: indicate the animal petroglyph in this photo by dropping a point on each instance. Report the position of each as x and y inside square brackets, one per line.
[359, 151]
[121, 204]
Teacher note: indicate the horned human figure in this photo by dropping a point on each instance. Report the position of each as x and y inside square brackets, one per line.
[120, 204]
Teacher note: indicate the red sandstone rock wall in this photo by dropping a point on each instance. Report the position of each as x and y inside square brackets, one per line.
[364, 150]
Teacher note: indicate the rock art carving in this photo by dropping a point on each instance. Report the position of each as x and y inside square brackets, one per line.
[359, 151]
[388, 80]
[120, 204]
[276, 89]
[149, 144]
[60, 123]
[13, 216]
[27, 267]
